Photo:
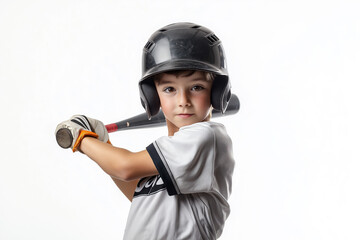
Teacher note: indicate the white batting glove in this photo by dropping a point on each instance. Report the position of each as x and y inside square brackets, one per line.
[81, 126]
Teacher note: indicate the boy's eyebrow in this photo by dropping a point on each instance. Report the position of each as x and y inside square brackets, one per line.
[199, 79]
[161, 82]
[164, 81]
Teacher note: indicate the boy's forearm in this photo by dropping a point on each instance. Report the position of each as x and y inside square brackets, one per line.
[111, 159]
[94, 150]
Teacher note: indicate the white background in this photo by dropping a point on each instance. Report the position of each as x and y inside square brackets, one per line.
[293, 64]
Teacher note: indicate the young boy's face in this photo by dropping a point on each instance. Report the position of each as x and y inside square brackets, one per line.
[184, 99]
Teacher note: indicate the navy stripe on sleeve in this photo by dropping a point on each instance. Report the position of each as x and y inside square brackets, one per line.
[161, 169]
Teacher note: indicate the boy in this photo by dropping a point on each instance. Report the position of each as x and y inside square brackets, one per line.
[179, 185]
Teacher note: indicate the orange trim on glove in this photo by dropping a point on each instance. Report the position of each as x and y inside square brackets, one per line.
[82, 134]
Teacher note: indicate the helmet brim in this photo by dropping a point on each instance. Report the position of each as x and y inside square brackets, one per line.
[182, 65]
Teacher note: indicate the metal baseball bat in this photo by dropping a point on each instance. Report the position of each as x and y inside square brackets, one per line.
[64, 137]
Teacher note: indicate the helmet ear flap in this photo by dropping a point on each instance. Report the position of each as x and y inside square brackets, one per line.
[148, 94]
[220, 93]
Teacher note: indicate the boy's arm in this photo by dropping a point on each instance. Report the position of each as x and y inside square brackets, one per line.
[119, 163]
[127, 188]
[125, 167]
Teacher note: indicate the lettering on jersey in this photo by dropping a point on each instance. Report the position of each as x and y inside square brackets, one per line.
[149, 185]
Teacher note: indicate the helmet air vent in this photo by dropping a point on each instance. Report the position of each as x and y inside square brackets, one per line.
[213, 38]
[149, 45]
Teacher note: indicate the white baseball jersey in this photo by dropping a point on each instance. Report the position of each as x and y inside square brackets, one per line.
[188, 199]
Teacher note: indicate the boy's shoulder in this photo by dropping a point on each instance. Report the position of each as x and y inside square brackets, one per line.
[203, 130]
[197, 134]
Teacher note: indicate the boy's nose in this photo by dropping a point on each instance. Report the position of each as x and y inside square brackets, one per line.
[183, 99]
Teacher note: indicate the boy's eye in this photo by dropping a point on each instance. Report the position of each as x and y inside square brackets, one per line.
[197, 88]
[168, 89]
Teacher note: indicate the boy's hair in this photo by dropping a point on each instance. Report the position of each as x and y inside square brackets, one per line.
[184, 73]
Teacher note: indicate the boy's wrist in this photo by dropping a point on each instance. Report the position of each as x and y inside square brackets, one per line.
[85, 142]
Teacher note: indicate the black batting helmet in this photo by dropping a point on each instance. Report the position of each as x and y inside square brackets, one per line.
[183, 46]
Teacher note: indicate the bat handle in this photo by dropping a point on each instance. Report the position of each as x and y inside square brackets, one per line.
[64, 138]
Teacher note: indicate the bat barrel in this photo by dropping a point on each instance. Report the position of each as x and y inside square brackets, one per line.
[232, 108]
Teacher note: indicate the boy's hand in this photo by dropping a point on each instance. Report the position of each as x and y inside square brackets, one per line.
[81, 126]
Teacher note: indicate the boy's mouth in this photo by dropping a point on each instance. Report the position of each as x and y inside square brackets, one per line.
[185, 115]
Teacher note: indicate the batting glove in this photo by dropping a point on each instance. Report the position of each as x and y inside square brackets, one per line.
[81, 126]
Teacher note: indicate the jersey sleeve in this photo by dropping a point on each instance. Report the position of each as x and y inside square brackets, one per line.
[185, 161]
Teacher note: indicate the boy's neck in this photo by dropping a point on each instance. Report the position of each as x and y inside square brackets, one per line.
[172, 129]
